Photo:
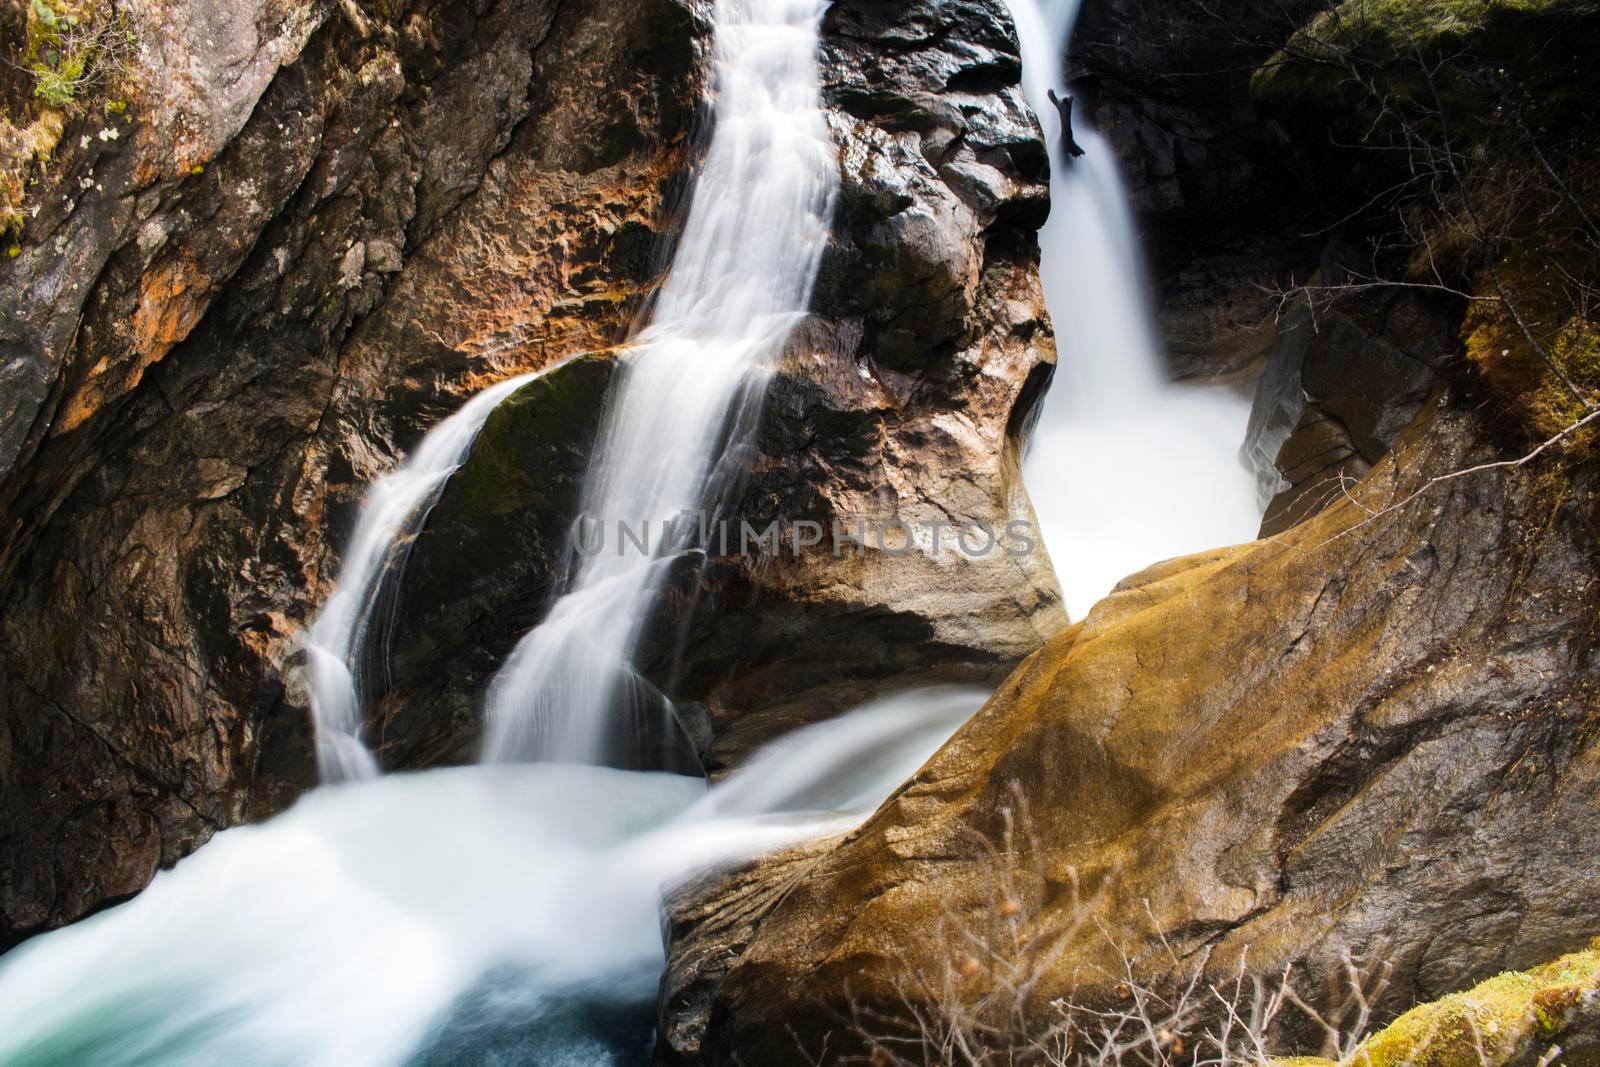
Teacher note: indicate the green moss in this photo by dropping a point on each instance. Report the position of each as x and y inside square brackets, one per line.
[58, 68]
[1423, 22]
[1437, 64]
[1512, 1016]
[1377, 29]
[1534, 277]
[59, 86]
[527, 434]
[71, 48]
[1474, 121]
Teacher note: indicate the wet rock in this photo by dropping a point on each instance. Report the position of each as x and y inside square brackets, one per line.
[903, 398]
[482, 571]
[1367, 735]
[907, 396]
[1340, 385]
[710, 921]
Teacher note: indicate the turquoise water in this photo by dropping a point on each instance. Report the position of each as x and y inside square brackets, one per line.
[491, 915]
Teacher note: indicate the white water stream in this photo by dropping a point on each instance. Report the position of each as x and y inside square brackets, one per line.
[510, 913]
[678, 428]
[479, 915]
[394, 509]
[1125, 469]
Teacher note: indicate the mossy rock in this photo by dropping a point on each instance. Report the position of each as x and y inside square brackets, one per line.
[508, 470]
[1430, 24]
[1516, 1017]
[1443, 64]
[482, 568]
[1518, 374]
[1468, 123]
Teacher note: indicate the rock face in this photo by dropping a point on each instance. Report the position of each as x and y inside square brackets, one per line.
[1370, 734]
[1509, 93]
[314, 229]
[907, 396]
[903, 398]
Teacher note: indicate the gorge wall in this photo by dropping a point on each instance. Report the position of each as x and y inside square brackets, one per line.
[308, 233]
[245, 276]
[1223, 216]
[305, 234]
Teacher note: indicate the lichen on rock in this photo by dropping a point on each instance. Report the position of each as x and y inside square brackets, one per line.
[1548, 1014]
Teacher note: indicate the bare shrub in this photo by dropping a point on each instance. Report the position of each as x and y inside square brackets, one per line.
[979, 1005]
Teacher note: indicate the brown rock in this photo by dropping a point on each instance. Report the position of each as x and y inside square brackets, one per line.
[904, 397]
[1367, 734]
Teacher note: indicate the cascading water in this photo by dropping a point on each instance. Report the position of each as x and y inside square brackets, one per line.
[394, 509]
[476, 915]
[493, 914]
[681, 420]
[511, 913]
[1124, 468]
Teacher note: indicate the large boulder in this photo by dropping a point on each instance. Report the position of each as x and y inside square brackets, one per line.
[1371, 735]
[482, 570]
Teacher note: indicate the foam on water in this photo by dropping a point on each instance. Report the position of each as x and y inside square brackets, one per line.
[444, 917]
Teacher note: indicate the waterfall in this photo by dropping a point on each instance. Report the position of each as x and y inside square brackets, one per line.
[393, 510]
[505, 914]
[1125, 469]
[511, 912]
[679, 424]
[676, 433]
